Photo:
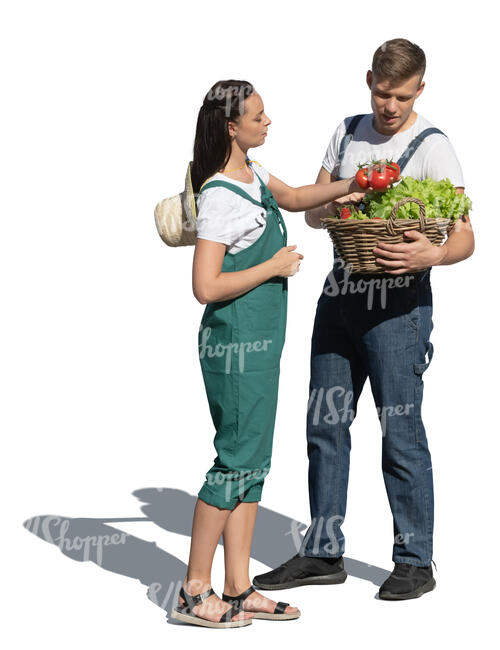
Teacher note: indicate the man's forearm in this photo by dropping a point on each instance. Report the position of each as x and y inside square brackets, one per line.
[459, 246]
[313, 217]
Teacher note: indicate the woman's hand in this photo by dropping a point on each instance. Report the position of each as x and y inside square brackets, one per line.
[211, 284]
[355, 197]
[286, 262]
[354, 188]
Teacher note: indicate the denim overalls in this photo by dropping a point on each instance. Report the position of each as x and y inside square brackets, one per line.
[376, 326]
[352, 341]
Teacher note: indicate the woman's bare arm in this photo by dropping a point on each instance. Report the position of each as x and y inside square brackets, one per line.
[211, 285]
[306, 197]
[313, 217]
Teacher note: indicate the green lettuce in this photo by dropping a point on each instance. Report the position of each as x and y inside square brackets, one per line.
[439, 197]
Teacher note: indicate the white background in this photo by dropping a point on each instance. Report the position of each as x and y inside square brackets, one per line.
[105, 418]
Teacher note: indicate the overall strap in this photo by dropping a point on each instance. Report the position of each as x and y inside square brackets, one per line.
[232, 188]
[262, 184]
[414, 145]
[279, 216]
[349, 134]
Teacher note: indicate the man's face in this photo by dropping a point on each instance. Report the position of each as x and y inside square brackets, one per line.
[392, 105]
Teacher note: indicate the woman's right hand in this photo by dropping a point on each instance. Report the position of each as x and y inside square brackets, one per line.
[355, 197]
[286, 262]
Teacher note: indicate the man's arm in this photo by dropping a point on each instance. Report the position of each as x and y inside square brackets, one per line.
[460, 243]
[313, 217]
[420, 253]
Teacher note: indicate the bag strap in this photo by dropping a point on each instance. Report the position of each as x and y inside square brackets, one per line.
[414, 145]
[232, 188]
[349, 134]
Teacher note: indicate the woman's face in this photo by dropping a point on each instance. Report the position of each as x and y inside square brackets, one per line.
[251, 128]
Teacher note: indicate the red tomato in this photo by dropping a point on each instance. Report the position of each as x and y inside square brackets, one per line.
[379, 178]
[393, 169]
[345, 213]
[362, 178]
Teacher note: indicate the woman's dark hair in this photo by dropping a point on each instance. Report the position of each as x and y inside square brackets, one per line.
[223, 103]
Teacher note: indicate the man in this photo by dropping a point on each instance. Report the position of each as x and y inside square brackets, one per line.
[387, 342]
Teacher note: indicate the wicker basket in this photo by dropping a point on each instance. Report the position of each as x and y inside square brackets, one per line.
[355, 239]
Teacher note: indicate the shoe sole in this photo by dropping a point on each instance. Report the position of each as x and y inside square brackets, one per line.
[275, 617]
[203, 622]
[332, 579]
[429, 586]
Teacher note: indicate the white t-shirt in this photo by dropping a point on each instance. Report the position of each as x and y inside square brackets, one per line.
[228, 218]
[435, 158]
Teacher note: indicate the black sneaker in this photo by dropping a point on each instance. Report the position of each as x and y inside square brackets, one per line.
[302, 570]
[407, 581]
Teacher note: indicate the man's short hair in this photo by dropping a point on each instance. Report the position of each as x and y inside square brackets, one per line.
[397, 60]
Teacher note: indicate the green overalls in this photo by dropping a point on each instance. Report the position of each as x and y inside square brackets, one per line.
[240, 343]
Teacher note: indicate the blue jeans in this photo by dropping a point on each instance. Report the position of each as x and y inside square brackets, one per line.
[364, 329]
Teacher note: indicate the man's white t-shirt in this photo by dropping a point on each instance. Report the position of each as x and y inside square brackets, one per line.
[228, 218]
[435, 157]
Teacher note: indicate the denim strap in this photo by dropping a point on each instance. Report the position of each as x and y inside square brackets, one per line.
[414, 145]
[405, 156]
[349, 134]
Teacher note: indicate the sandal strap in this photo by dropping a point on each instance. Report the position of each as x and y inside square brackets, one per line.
[196, 599]
[227, 616]
[280, 608]
[239, 600]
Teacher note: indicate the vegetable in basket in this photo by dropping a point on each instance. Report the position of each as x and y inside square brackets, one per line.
[439, 197]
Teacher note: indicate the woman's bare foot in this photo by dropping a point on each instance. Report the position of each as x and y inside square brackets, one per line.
[213, 607]
[256, 602]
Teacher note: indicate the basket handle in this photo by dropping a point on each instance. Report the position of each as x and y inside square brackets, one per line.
[391, 222]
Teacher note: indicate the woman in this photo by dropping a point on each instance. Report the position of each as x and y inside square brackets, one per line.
[240, 271]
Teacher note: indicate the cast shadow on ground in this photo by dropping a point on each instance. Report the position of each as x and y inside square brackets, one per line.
[276, 538]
